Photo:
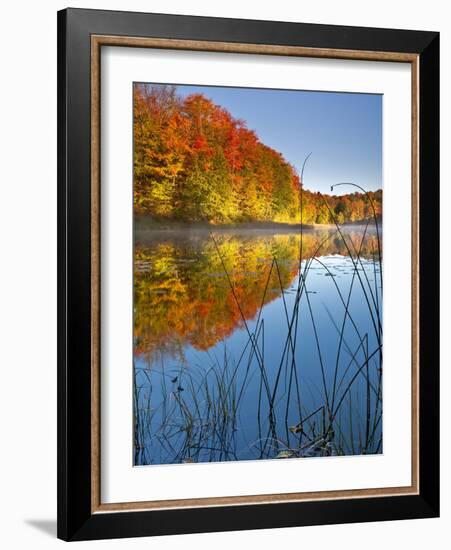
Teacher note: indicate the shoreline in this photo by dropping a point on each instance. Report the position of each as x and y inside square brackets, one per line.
[142, 224]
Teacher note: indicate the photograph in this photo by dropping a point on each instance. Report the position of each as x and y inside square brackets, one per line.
[257, 274]
[248, 260]
[224, 286]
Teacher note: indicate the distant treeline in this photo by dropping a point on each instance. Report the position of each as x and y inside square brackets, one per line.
[194, 162]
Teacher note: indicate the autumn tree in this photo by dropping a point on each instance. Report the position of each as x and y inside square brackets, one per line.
[194, 162]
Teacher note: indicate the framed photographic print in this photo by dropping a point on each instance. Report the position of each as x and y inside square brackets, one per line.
[248, 274]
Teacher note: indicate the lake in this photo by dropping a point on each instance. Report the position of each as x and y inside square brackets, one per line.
[257, 344]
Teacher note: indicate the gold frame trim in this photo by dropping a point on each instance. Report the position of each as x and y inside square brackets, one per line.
[97, 41]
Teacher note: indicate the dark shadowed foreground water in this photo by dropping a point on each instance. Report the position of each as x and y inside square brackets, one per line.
[241, 355]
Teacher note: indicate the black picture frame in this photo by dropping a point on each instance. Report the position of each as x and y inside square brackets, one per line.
[75, 518]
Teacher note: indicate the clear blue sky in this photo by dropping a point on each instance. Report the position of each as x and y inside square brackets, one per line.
[342, 130]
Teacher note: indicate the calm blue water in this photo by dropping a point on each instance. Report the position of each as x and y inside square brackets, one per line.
[238, 357]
